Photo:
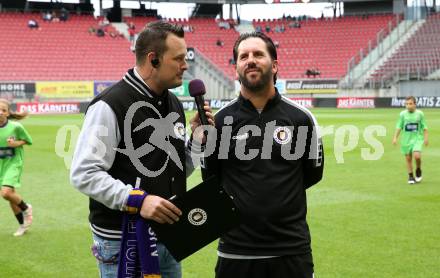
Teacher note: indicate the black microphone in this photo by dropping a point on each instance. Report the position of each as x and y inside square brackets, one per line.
[197, 90]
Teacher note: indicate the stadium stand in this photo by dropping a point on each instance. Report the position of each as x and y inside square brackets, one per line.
[59, 50]
[66, 51]
[417, 58]
[204, 35]
[324, 44]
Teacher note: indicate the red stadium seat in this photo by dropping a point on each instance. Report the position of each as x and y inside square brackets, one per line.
[66, 51]
[419, 56]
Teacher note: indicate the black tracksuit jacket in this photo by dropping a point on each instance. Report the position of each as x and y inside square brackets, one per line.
[269, 188]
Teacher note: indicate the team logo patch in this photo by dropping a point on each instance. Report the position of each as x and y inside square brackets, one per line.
[197, 216]
[282, 135]
[179, 130]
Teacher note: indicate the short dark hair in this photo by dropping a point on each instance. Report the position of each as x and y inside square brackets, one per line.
[267, 40]
[152, 39]
[411, 98]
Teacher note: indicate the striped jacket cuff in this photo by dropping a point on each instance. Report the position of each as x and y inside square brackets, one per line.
[135, 199]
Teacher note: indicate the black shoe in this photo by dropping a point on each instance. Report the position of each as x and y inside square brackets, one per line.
[411, 180]
[418, 175]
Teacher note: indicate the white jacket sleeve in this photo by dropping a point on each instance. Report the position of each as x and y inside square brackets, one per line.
[94, 155]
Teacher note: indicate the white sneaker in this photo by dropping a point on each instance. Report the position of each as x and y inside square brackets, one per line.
[27, 214]
[21, 230]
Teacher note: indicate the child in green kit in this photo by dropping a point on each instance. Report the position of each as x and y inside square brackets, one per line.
[414, 135]
[12, 138]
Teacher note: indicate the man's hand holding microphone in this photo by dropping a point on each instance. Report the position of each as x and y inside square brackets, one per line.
[157, 208]
[204, 114]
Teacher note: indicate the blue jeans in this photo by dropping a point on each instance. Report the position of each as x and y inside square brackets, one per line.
[106, 253]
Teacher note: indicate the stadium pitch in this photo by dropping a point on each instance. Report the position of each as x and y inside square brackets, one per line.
[365, 220]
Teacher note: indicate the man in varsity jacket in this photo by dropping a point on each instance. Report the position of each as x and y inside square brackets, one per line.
[134, 136]
[268, 153]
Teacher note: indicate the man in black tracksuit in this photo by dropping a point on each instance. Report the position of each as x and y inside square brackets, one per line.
[268, 153]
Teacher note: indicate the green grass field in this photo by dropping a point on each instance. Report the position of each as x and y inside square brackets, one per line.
[365, 220]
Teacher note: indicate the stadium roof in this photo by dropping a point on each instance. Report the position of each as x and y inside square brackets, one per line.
[237, 1]
[223, 1]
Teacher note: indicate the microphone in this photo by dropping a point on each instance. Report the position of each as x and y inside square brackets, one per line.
[197, 90]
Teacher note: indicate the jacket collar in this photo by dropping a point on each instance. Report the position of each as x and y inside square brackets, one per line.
[270, 103]
[133, 79]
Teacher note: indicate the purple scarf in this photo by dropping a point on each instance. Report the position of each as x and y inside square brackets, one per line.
[138, 256]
